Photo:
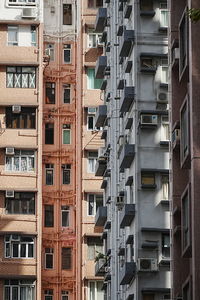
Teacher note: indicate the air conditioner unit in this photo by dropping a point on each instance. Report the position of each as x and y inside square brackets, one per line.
[107, 269]
[175, 54]
[16, 109]
[175, 138]
[10, 151]
[92, 110]
[10, 194]
[28, 12]
[147, 264]
[162, 96]
[149, 119]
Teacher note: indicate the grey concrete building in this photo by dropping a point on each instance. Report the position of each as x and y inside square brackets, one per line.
[135, 160]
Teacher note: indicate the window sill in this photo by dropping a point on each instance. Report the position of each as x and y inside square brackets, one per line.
[164, 143]
[20, 174]
[147, 13]
[164, 202]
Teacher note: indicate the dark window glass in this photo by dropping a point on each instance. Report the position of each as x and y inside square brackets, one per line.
[65, 216]
[49, 174]
[67, 53]
[21, 77]
[49, 134]
[183, 31]
[67, 14]
[22, 203]
[185, 222]
[48, 216]
[66, 174]
[66, 258]
[146, 5]
[24, 119]
[50, 93]
[49, 258]
[66, 98]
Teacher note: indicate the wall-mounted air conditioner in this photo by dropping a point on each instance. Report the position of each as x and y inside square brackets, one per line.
[10, 194]
[147, 264]
[162, 96]
[10, 151]
[16, 109]
[149, 119]
[28, 12]
[107, 269]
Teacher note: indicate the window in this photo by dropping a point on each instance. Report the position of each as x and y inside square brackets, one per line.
[184, 132]
[48, 215]
[92, 158]
[94, 202]
[90, 122]
[66, 173]
[50, 93]
[12, 35]
[148, 180]
[164, 71]
[65, 211]
[95, 290]
[67, 14]
[15, 289]
[21, 77]
[25, 119]
[67, 93]
[163, 15]
[92, 82]
[21, 161]
[22, 203]
[165, 246]
[64, 295]
[49, 174]
[183, 42]
[185, 222]
[94, 40]
[50, 51]
[49, 133]
[66, 258]
[48, 294]
[67, 53]
[148, 297]
[21, 2]
[33, 35]
[147, 63]
[48, 258]
[66, 134]
[165, 187]
[17, 246]
[164, 128]
[186, 292]
[95, 246]
[146, 5]
[95, 3]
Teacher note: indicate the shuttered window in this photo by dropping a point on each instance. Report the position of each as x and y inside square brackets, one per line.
[66, 258]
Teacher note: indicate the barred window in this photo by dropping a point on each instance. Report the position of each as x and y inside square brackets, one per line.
[21, 77]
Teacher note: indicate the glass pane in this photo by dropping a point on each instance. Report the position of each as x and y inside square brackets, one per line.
[66, 137]
[7, 293]
[92, 290]
[15, 293]
[23, 164]
[16, 164]
[23, 250]
[30, 250]
[8, 163]
[15, 248]
[91, 205]
[65, 218]
[23, 293]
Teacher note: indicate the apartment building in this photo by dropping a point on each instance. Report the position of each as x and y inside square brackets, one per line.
[59, 150]
[134, 163]
[21, 63]
[185, 71]
[89, 192]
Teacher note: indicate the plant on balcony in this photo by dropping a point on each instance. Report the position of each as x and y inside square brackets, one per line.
[100, 256]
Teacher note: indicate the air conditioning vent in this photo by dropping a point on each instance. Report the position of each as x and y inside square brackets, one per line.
[52, 9]
[175, 138]
[28, 12]
[149, 119]
[107, 269]
[10, 151]
[92, 110]
[162, 96]
[10, 194]
[147, 264]
[119, 200]
[16, 109]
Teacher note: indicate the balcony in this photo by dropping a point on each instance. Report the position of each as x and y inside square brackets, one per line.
[127, 155]
[101, 166]
[26, 138]
[100, 67]
[101, 216]
[17, 96]
[128, 38]
[127, 273]
[127, 215]
[127, 98]
[18, 55]
[101, 115]
[101, 18]
[18, 268]
[100, 267]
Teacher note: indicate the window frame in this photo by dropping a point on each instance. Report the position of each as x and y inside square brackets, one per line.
[13, 206]
[94, 295]
[68, 88]
[67, 48]
[8, 245]
[48, 294]
[48, 133]
[148, 174]
[69, 256]
[50, 90]
[49, 167]
[18, 284]
[51, 47]
[95, 245]
[27, 116]
[164, 68]
[13, 43]
[66, 167]
[165, 247]
[94, 201]
[186, 241]
[162, 25]
[183, 43]
[66, 128]
[16, 77]
[94, 158]
[165, 189]
[185, 133]
[64, 295]
[92, 83]
[70, 22]
[94, 5]
[46, 216]
[18, 159]
[18, 3]
[50, 253]
[64, 209]
[165, 136]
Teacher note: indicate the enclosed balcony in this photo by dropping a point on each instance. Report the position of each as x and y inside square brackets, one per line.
[127, 215]
[101, 18]
[127, 273]
[127, 98]
[100, 67]
[100, 267]
[101, 115]
[127, 155]
[128, 38]
[101, 166]
[101, 216]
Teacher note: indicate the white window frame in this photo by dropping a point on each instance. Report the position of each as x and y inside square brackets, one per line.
[68, 129]
[93, 249]
[95, 289]
[51, 47]
[10, 165]
[67, 87]
[48, 294]
[63, 209]
[165, 187]
[165, 128]
[91, 158]
[95, 40]
[68, 168]
[94, 201]
[18, 241]
[50, 168]
[163, 8]
[164, 70]
[67, 47]
[64, 295]
[13, 43]
[21, 283]
[50, 253]
[19, 3]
